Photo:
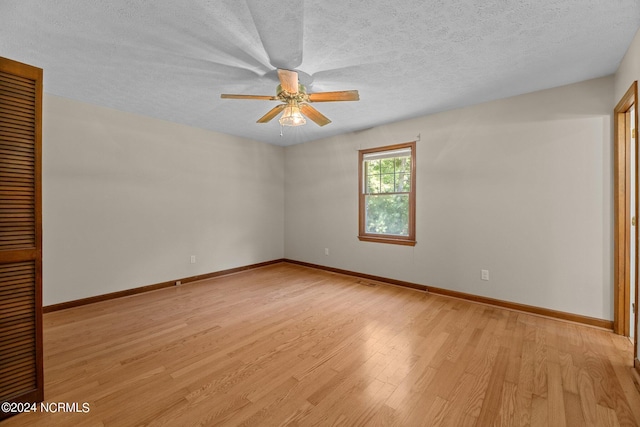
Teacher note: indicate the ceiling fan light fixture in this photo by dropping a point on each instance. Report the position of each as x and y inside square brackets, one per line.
[292, 115]
[296, 101]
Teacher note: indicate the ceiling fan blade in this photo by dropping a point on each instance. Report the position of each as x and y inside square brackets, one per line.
[280, 25]
[262, 97]
[288, 80]
[314, 115]
[345, 95]
[271, 114]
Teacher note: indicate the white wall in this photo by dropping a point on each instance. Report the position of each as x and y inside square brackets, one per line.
[628, 72]
[128, 199]
[521, 187]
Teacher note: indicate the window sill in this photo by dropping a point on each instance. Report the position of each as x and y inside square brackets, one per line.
[390, 240]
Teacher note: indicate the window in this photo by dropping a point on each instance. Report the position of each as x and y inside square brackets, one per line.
[387, 194]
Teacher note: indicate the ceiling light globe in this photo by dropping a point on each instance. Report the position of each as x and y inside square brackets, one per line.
[292, 116]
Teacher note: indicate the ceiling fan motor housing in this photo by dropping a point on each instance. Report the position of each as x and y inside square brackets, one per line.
[301, 96]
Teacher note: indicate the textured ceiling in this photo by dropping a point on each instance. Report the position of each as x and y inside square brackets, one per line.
[172, 59]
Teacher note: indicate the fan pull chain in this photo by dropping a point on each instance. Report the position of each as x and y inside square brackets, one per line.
[281, 128]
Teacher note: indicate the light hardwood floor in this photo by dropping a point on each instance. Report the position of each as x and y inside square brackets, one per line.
[285, 344]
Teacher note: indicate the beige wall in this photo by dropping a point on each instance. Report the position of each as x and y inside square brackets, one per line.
[520, 186]
[628, 72]
[128, 199]
[629, 69]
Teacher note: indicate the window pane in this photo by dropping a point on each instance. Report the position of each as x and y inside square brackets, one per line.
[403, 164]
[386, 166]
[373, 184]
[404, 182]
[373, 167]
[387, 214]
[388, 183]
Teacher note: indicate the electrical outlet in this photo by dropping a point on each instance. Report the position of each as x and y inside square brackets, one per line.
[484, 274]
[193, 259]
[178, 282]
[326, 251]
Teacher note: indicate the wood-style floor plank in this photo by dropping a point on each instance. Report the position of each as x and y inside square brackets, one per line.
[290, 345]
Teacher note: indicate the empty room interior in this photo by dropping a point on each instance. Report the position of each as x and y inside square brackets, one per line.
[319, 213]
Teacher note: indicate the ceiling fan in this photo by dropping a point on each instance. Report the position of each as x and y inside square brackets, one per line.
[296, 101]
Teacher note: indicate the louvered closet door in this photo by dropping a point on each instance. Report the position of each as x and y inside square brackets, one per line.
[20, 233]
